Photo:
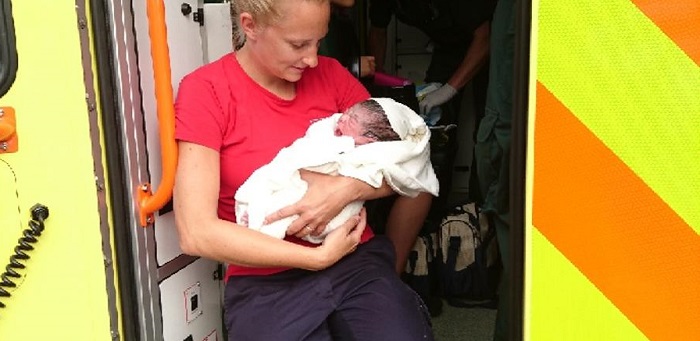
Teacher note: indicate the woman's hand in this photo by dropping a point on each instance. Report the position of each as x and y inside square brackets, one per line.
[342, 240]
[324, 199]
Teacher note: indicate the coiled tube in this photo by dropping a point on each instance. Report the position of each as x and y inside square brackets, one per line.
[29, 237]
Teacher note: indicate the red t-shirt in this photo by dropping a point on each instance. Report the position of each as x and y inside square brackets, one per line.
[219, 106]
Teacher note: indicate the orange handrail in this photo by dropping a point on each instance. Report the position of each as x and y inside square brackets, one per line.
[160, 55]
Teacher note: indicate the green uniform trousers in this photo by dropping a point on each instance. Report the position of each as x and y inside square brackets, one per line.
[492, 148]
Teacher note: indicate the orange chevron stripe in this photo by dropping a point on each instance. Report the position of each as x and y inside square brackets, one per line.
[613, 227]
[679, 19]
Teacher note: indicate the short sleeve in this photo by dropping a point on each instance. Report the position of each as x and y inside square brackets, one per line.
[349, 90]
[199, 115]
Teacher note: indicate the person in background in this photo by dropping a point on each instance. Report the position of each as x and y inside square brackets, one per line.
[342, 43]
[232, 116]
[493, 147]
[459, 40]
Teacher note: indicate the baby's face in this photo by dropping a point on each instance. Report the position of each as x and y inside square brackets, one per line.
[351, 123]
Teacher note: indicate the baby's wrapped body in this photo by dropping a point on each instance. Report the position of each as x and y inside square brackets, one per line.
[342, 144]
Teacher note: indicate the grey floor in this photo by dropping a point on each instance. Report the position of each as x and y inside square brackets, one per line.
[464, 324]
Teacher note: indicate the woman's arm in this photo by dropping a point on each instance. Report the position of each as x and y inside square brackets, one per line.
[202, 233]
[476, 56]
[324, 199]
[474, 59]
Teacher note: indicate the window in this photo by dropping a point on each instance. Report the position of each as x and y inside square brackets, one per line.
[8, 51]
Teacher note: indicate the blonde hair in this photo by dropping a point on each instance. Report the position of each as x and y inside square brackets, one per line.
[264, 11]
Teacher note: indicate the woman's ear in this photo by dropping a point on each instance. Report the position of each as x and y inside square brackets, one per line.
[248, 25]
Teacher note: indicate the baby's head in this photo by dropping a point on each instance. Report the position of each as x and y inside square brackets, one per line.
[366, 122]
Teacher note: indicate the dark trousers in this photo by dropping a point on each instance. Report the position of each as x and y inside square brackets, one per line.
[493, 149]
[358, 298]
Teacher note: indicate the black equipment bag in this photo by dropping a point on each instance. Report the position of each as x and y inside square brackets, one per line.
[469, 262]
[419, 266]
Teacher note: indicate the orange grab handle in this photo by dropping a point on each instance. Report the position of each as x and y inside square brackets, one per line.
[150, 202]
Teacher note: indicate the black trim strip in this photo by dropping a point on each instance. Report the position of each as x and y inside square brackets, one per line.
[119, 197]
[518, 163]
[174, 266]
[8, 48]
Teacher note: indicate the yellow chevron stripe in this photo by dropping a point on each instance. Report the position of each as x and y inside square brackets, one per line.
[678, 19]
[632, 86]
[608, 223]
[559, 315]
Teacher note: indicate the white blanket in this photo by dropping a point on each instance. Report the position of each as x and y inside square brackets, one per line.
[405, 166]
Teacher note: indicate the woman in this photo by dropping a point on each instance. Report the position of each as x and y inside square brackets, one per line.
[233, 116]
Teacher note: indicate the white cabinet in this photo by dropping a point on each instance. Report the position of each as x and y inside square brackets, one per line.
[411, 55]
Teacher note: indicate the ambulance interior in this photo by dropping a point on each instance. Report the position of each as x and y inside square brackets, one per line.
[134, 54]
[407, 57]
[605, 207]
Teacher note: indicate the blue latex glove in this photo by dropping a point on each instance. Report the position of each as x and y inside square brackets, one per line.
[436, 98]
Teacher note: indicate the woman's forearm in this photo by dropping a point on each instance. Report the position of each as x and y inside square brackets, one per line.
[234, 244]
[202, 233]
[367, 192]
[476, 56]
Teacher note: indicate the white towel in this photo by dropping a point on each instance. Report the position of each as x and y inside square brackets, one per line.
[405, 166]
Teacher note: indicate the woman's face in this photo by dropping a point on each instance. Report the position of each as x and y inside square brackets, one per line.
[290, 45]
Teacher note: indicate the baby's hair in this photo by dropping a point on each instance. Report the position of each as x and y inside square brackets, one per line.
[377, 125]
[266, 11]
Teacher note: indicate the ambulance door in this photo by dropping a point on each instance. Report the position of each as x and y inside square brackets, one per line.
[156, 43]
[613, 214]
[57, 278]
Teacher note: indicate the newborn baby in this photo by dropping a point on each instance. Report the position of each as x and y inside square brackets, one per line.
[375, 140]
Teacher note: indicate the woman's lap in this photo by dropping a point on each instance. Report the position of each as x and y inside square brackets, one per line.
[359, 298]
